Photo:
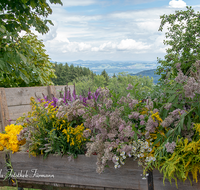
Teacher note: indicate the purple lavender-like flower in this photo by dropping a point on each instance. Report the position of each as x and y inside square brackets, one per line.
[142, 122]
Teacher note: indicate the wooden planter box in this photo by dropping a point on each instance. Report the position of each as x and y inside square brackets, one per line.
[81, 173]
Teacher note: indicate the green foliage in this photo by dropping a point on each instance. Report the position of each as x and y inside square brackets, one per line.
[183, 39]
[25, 63]
[142, 85]
[66, 74]
[18, 54]
[85, 83]
[184, 160]
[18, 15]
[105, 75]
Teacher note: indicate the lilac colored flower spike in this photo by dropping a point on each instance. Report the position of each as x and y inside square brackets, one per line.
[96, 94]
[74, 93]
[45, 97]
[54, 101]
[89, 94]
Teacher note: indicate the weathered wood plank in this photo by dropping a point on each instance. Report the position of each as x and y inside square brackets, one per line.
[4, 109]
[158, 183]
[22, 95]
[81, 171]
[51, 91]
[81, 174]
[17, 111]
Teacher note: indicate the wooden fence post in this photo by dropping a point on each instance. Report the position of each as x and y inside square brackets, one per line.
[51, 90]
[3, 110]
[150, 180]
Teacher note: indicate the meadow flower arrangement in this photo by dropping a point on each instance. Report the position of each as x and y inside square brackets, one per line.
[117, 127]
[46, 133]
[161, 131]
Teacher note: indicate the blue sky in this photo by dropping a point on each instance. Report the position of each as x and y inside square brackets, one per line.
[117, 30]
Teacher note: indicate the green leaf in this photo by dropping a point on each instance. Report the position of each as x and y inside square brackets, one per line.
[189, 122]
[171, 98]
[23, 57]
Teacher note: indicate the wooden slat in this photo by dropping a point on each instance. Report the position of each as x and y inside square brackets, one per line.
[4, 110]
[51, 91]
[81, 171]
[22, 95]
[17, 111]
[158, 183]
[81, 174]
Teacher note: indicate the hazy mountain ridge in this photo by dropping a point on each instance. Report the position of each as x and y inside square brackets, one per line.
[149, 73]
[144, 68]
[112, 67]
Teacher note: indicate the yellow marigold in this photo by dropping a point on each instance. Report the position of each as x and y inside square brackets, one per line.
[9, 139]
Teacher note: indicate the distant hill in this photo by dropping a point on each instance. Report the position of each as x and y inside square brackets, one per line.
[149, 73]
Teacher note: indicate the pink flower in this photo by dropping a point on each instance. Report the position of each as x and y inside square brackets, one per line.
[130, 87]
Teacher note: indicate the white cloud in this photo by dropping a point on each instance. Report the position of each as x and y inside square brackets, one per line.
[113, 35]
[71, 3]
[130, 44]
[177, 4]
[75, 47]
[123, 45]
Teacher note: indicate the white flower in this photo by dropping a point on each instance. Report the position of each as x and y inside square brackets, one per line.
[134, 148]
[122, 163]
[116, 158]
[144, 178]
[142, 150]
[122, 154]
[115, 166]
[141, 155]
[147, 174]
[138, 155]
[124, 157]
[149, 149]
[110, 148]
[116, 163]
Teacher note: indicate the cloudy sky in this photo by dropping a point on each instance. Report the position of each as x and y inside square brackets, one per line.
[118, 30]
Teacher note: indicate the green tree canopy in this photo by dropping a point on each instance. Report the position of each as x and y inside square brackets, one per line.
[105, 74]
[183, 38]
[19, 54]
[36, 70]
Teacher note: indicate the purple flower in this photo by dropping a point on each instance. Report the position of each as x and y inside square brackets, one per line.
[130, 87]
[142, 122]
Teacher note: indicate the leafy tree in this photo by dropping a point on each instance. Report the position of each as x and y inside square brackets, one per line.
[84, 83]
[70, 74]
[17, 53]
[34, 70]
[142, 85]
[114, 75]
[183, 39]
[105, 74]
